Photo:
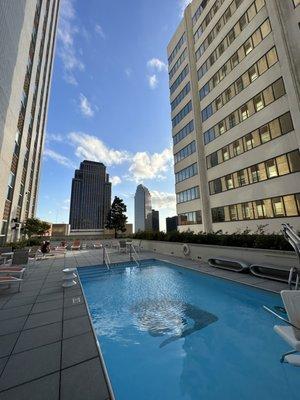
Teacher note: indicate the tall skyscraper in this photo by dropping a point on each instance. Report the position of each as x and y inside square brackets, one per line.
[27, 38]
[234, 71]
[90, 197]
[142, 209]
[155, 220]
[171, 223]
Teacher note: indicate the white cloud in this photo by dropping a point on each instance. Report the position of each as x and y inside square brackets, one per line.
[128, 72]
[162, 200]
[183, 4]
[59, 158]
[99, 31]
[66, 205]
[150, 166]
[85, 106]
[115, 180]
[153, 81]
[54, 137]
[66, 47]
[142, 165]
[91, 148]
[157, 64]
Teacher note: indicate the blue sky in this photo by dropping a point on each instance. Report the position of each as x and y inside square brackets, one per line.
[110, 102]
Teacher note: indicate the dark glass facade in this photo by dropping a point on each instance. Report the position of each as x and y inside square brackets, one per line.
[90, 196]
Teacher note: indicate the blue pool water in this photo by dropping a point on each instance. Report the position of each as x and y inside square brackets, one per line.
[169, 333]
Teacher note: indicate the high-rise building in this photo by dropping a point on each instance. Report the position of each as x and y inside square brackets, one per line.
[142, 209]
[27, 38]
[90, 197]
[155, 220]
[234, 71]
[171, 223]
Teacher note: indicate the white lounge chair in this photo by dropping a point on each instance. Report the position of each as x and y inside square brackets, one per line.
[291, 332]
[8, 280]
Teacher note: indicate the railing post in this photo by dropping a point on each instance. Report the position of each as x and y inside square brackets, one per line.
[103, 260]
[130, 252]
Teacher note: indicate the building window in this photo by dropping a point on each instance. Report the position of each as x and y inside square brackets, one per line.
[265, 28]
[244, 112]
[204, 91]
[278, 88]
[277, 207]
[182, 114]
[218, 214]
[186, 173]
[258, 102]
[190, 218]
[4, 227]
[185, 152]
[188, 195]
[184, 132]
[272, 168]
[294, 161]
[286, 123]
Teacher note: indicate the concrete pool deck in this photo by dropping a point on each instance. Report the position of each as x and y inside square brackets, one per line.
[47, 345]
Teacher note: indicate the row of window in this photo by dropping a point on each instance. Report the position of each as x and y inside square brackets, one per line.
[182, 114]
[270, 131]
[216, 29]
[181, 96]
[185, 152]
[186, 173]
[234, 60]
[179, 79]
[178, 63]
[200, 10]
[211, 13]
[257, 103]
[231, 36]
[190, 218]
[272, 168]
[186, 130]
[178, 46]
[256, 70]
[188, 195]
[275, 207]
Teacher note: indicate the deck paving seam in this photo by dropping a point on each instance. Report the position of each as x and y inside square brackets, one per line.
[13, 347]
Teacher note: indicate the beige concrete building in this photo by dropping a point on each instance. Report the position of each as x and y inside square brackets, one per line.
[234, 69]
[27, 38]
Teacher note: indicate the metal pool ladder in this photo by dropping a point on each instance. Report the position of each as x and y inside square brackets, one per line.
[133, 254]
[291, 236]
[106, 259]
[294, 277]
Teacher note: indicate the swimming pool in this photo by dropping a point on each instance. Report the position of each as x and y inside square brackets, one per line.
[171, 333]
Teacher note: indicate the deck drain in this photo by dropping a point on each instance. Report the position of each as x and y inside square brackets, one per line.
[76, 300]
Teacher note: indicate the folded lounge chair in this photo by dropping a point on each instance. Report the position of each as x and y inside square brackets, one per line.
[8, 280]
[229, 264]
[291, 332]
[272, 272]
[12, 271]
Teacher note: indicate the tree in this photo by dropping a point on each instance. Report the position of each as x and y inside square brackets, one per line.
[116, 218]
[34, 226]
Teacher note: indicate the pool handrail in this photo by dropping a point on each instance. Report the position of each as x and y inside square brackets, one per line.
[280, 317]
[132, 256]
[106, 259]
